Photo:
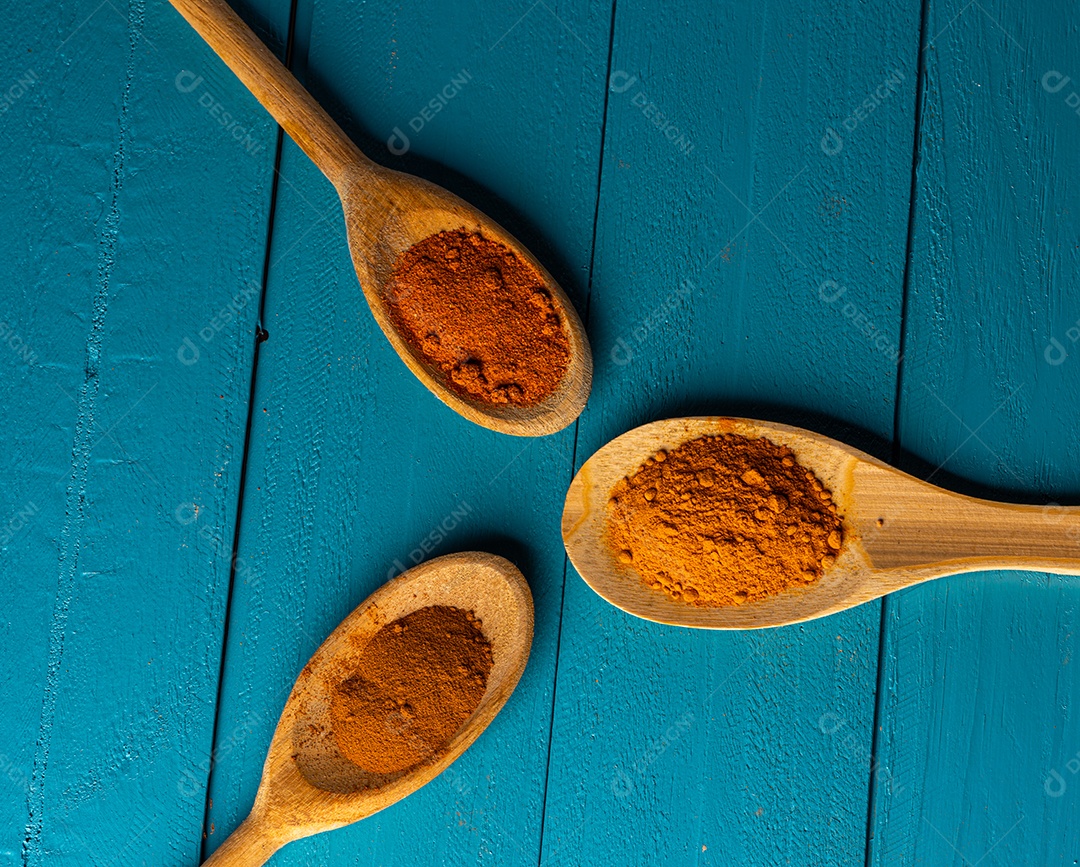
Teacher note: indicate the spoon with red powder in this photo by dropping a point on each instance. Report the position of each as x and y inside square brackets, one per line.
[397, 692]
[472, 313]
[728, 523]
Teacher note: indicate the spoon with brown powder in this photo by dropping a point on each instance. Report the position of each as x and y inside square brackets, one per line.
[726, 523]
[396, 693]
[472, 313]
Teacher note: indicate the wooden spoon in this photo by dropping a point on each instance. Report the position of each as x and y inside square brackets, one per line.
[898, 530]
[386, 212]
[307, 785]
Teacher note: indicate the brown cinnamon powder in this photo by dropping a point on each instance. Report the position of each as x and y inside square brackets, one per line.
[416, 682]
[724, 520]
[482, 316]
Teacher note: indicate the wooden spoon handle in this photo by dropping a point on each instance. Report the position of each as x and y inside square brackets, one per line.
[275, 87]
[915, 525]
[247, 846]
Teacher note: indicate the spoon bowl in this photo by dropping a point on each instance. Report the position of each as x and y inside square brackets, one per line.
[307, 785]
[898, 530]
[386, 213]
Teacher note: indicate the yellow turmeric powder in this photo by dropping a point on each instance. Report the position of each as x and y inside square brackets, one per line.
[724, 520]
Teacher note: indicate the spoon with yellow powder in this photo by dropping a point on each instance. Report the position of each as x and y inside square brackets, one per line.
[472, 313]
[396, 693]
[726, 523]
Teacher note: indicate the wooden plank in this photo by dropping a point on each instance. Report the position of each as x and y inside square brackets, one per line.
[355, 469]
[38, 353]
[979, 729]
[135, 220]
[749, 262]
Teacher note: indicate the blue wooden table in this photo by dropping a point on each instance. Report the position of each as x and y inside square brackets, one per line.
[863, 222]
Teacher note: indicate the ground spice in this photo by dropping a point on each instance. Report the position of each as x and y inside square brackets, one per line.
[415, 684]
[482, 316]
[724, 520]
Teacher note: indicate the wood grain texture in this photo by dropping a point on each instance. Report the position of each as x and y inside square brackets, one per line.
[677, 746]
[40, 351]
[307, 785]
[355, 471]
[276, 89]
[140, 224]
[749, 261]
[387, 213]
[978, 710]
[897, 530]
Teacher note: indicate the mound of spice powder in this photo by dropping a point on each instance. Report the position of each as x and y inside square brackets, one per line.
[414, 685]
[724, 520]
[474, 310]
